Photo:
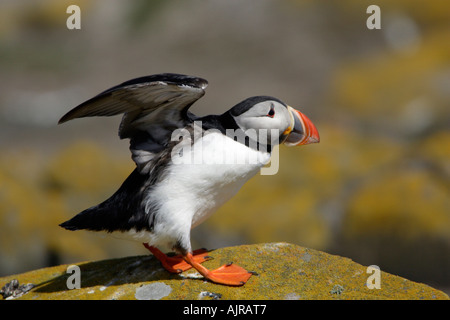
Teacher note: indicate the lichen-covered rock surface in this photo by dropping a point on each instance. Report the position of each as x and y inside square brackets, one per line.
[285, 271]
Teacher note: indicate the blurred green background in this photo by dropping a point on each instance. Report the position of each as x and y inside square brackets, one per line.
[376, 189]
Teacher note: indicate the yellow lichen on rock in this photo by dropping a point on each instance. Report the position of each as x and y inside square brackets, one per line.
[284, 272]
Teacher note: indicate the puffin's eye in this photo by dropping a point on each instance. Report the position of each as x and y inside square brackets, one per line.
[271, 111]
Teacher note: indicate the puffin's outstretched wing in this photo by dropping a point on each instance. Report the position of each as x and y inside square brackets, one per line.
[153, 107]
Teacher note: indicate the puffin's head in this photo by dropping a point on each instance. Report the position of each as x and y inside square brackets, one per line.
[275, 121]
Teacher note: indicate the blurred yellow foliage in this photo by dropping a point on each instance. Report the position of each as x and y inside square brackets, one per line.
[383, 86]
[408, 204]
[85, 167]
[36, 196]
[37, 14]
[436, 148]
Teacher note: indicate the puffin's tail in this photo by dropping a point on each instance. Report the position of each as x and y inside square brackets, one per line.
[69, 226]
[89, 219]
[121, 212]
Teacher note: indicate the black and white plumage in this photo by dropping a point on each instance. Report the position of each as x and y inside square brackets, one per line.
[186, 166]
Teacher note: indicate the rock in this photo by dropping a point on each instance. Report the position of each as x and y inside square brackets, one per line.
[153, 291]
[285, 271]
[13, 290]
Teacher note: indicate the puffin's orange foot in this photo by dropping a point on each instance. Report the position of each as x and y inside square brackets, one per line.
[229, 274]
[177, 264]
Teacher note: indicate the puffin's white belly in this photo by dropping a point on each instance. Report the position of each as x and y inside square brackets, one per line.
[201, 180]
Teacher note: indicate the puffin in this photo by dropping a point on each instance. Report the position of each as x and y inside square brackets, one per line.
[187, 166]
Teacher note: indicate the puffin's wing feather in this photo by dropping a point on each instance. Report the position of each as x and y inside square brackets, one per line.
[153, 107]
[140, 97]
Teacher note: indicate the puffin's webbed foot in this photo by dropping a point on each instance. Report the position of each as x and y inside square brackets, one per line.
[177, 264]
[229, 274]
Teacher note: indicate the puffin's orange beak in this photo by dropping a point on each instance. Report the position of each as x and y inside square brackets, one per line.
[302, 132]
